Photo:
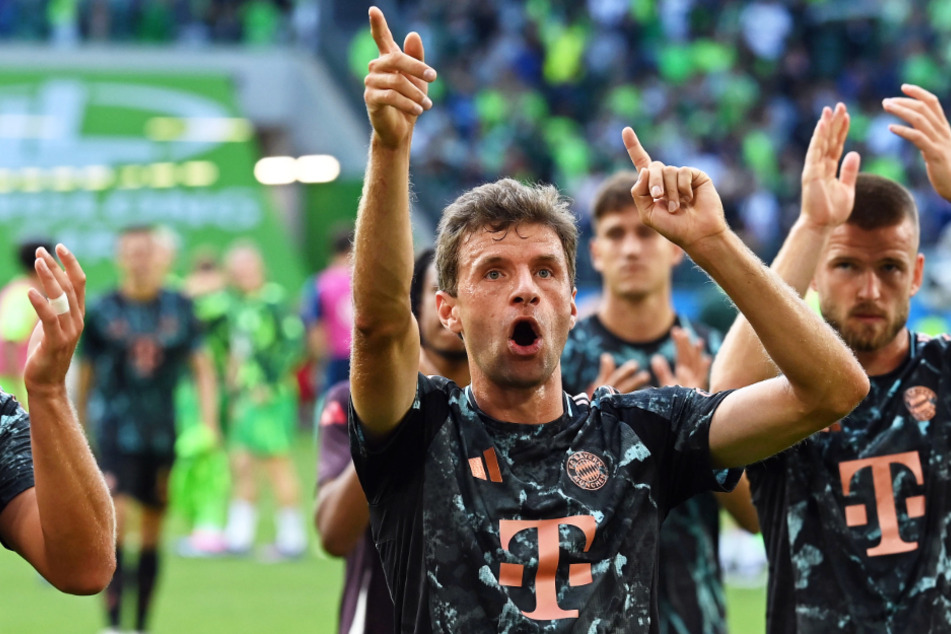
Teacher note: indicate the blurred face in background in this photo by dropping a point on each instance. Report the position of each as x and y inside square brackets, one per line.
[246, 268]
[434, 337]
[140, 260]
[634, 260]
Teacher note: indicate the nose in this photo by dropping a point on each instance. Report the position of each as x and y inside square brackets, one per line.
[869, 286]
[631, 245]
[526, 290]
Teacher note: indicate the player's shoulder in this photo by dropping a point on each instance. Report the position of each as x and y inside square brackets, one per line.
[11, 413]
[661, 401]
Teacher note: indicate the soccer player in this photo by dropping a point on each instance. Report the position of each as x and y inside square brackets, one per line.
[55, 509]
[266, 341]
[857, 519]
[507, 505]
[139, 339]
[630, 342]
[342, 516]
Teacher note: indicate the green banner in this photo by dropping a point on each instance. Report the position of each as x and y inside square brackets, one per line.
[85, 153]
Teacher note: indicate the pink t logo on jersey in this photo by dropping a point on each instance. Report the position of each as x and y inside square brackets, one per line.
[549, 549]
[857, 514]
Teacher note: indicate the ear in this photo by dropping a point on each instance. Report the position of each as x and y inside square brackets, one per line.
[574, 307]
[446, 308]
[595, 257]
[919, 274]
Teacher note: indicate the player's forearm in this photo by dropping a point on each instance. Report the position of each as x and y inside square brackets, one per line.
[383, 244]
[822, 372]
[342, 514]
[741, 359]
[75, 509]
[207, 387]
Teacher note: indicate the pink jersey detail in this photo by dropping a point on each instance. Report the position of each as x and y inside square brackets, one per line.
[336, 309]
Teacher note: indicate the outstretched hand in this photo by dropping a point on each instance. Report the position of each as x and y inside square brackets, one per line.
[397, 83]
[624, 378]
[55, 337]
[680, 203]
[929, 132]
[692, 363]
[826, 200]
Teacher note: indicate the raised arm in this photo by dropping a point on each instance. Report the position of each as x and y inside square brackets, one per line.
[826, 203]
[65, 525]
[929, 131]
[385, 349]
[821, 379]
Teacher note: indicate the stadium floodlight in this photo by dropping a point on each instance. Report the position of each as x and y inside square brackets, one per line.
[276, 170]
[317, 168]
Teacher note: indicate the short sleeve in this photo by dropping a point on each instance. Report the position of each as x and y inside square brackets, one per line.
[676, 429]
[392, 465]
[16, 455]
[334, 453]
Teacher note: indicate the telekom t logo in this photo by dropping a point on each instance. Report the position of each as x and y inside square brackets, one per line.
[857, 514]
[549, 547]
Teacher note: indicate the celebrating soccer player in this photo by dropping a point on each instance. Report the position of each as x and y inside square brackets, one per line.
[508, 505]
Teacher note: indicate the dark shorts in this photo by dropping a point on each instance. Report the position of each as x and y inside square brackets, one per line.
[144, 477]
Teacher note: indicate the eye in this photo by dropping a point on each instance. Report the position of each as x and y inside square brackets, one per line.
[545, 273]
[493, 275]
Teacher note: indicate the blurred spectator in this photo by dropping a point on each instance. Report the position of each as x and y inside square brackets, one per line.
[18, 318]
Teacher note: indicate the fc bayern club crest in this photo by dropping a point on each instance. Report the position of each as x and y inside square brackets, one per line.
[586, 470]
[920, 401]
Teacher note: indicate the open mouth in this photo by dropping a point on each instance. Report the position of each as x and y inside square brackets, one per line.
[524, 334]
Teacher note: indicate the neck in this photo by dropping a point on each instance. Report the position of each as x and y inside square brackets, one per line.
[139, 292]
[637, 319]
[887, 358]
[532, 406]
[456, 369]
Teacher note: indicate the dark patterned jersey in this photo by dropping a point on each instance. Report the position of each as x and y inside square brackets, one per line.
[365, 604]
[857, 518]
[16, 457]
[690, 590]
[138, 350]
[489, 526]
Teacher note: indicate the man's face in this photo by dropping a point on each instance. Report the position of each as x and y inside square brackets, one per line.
[138, 258]
[634, 260]
[246, 269]
[514, 305]
[434, 336]
[865, 281]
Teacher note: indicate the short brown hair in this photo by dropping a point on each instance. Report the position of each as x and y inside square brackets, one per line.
[881, 202]
[499, 206]
[613, 195]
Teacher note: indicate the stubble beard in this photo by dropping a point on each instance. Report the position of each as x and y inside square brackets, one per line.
[867, 338]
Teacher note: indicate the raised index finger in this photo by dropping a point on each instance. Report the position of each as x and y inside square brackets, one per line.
[635, 150]
[381, 32]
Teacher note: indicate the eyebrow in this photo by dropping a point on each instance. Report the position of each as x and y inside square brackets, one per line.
[494, 260]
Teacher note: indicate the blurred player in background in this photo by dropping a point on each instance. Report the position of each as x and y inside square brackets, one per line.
[342, 516]
[636, 340]
[201, 478]
[327, 312]
[55, 509]
[139, 340]
[857, 519]
[266, 340]
[18, 318]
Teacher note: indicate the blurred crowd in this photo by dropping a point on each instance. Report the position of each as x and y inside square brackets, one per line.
[540, 89]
